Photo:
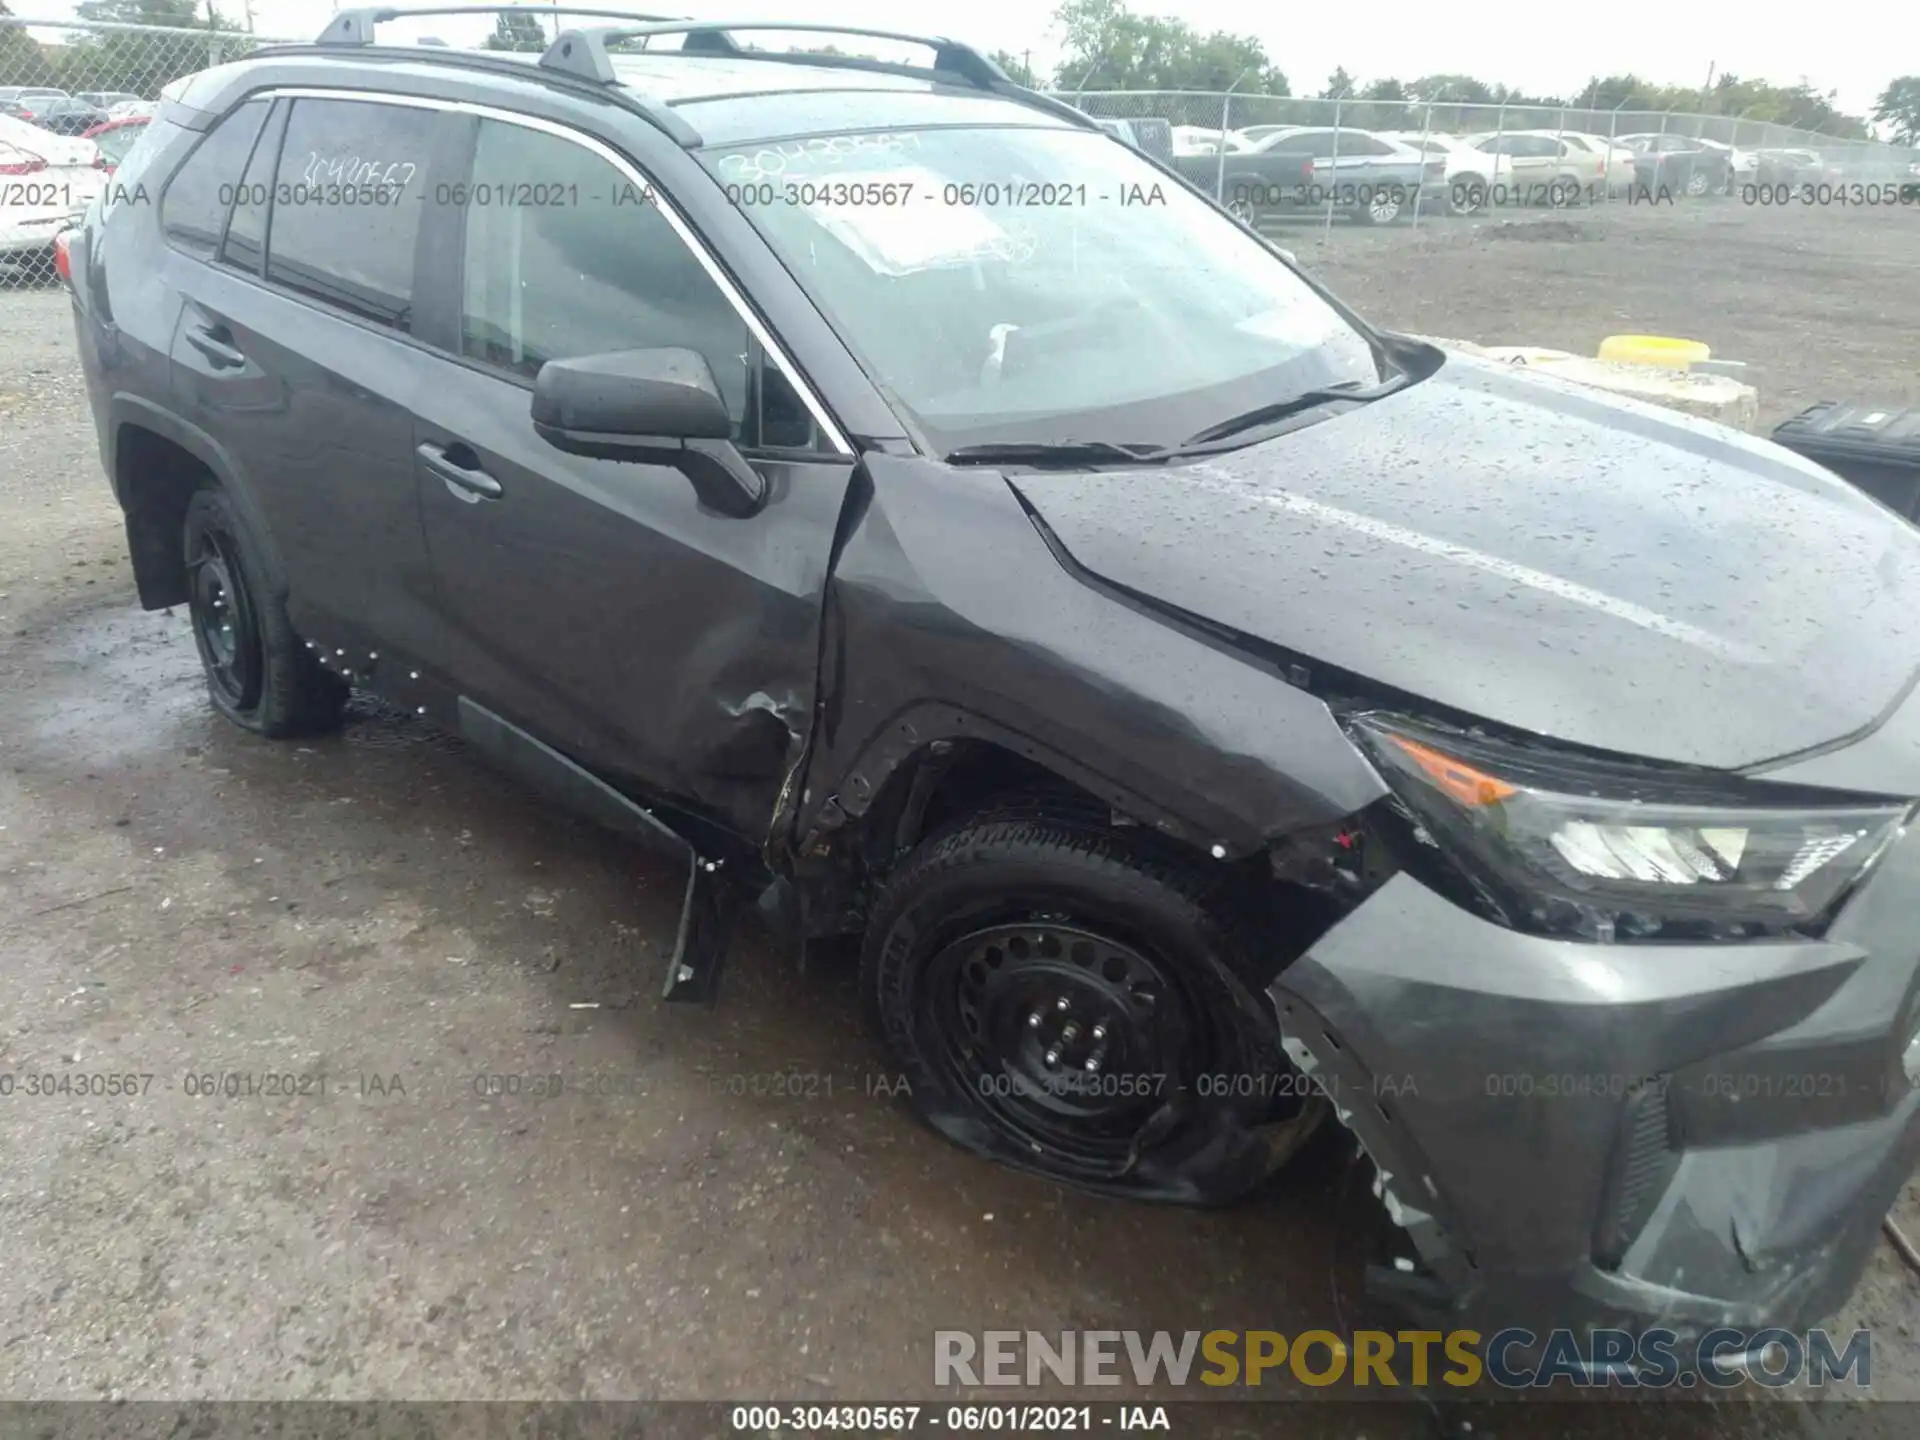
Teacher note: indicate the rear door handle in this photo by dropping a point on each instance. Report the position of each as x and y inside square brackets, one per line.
[470, 482]
[216, 343]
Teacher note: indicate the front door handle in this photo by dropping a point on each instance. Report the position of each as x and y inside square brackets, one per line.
[469, 482]
[216, 343]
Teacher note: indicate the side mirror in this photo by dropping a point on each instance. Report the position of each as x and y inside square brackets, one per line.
[651, 407]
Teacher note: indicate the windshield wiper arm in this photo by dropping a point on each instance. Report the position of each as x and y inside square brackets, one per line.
[1292, 405]
[1057, 452]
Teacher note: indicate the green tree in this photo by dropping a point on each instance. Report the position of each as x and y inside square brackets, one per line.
[143, 64]
[1461, 89]
[1108, 47]
[1384, 107]
[1339, 85]
[22, 61]
[1899, 106]
[1018, 70]
[1799, 105]
[517, 30]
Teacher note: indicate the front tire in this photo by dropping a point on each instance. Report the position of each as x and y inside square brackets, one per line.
[1075, 1003]
[259, 674]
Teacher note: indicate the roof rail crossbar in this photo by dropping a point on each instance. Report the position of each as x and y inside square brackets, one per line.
[584, 52]
[355, 27]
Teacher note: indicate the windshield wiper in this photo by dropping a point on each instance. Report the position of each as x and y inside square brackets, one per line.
[1059, 452]
[1206, 439]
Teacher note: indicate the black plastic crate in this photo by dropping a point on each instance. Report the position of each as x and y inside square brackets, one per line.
[1875, 448]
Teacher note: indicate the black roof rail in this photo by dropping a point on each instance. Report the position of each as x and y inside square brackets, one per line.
[355, 27]
[583, 53]
[715, 37]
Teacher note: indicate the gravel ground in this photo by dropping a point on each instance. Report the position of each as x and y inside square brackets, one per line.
[746, 1212]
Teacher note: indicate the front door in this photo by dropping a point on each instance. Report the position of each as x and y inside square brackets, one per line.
[596, 603]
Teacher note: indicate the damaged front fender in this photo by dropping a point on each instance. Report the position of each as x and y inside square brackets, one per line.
[950, 616]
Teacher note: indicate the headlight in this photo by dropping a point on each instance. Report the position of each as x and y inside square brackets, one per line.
[1612, 852]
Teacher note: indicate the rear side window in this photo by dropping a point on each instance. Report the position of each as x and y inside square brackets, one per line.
[194, 210]
[247, 230]
[565, 256]
[347, 205]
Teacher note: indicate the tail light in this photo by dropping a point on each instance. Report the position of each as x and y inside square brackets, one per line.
[62, 261]
[1306, 169]
[18, 162]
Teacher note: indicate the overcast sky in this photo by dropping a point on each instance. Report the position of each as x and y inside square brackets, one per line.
[1539, 45]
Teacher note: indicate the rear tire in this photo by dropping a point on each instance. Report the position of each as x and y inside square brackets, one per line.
[1470, 194]
[1076, 1003]
[1383, 207]
[259, 674]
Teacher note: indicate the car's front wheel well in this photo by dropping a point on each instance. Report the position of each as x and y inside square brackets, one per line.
[950, 783]
[950, 780]
[155, 479]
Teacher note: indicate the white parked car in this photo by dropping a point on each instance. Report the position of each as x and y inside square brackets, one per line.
[46, 183]
[1619, 159]
[1550, 167]
[1200, 140]
[1473, 175]
[127, 109]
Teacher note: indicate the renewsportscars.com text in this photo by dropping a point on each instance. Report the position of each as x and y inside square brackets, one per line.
[1511, 1359]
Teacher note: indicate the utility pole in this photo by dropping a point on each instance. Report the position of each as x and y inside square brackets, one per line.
[1706, 87]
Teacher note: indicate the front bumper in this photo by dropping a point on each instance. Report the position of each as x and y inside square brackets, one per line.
[1573, 1135]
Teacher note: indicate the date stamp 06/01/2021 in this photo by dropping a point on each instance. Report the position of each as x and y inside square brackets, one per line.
[21, 1083]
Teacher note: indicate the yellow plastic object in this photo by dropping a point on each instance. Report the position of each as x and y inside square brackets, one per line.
[1661, 350]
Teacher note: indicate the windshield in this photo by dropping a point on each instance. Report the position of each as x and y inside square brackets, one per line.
[1038, 285]
[115, 143]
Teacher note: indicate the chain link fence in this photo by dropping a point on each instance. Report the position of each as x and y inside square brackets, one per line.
[73, 99]
[73, 96]
[1757, 152]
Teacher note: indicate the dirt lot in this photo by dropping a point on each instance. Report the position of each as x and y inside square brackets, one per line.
[178, 899]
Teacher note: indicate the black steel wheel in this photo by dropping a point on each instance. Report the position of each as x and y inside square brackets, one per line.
[224, 625]
[1072, 1039]
[260, 675]
[1073, 1002]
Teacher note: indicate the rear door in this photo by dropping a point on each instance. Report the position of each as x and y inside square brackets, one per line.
[294, 349]
[596, 603]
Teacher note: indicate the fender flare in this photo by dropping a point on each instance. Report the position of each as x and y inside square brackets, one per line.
[125, 409]
[910, 734]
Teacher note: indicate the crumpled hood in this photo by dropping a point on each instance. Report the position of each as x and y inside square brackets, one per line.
[1534, 554]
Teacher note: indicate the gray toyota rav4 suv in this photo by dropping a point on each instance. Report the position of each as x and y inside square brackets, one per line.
[938, 526]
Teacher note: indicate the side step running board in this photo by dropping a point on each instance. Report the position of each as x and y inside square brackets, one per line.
[707, 907]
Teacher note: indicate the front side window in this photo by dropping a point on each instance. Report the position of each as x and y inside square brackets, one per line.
[347, 205]
[1029, 284]
[566, 256]
[193, 211]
